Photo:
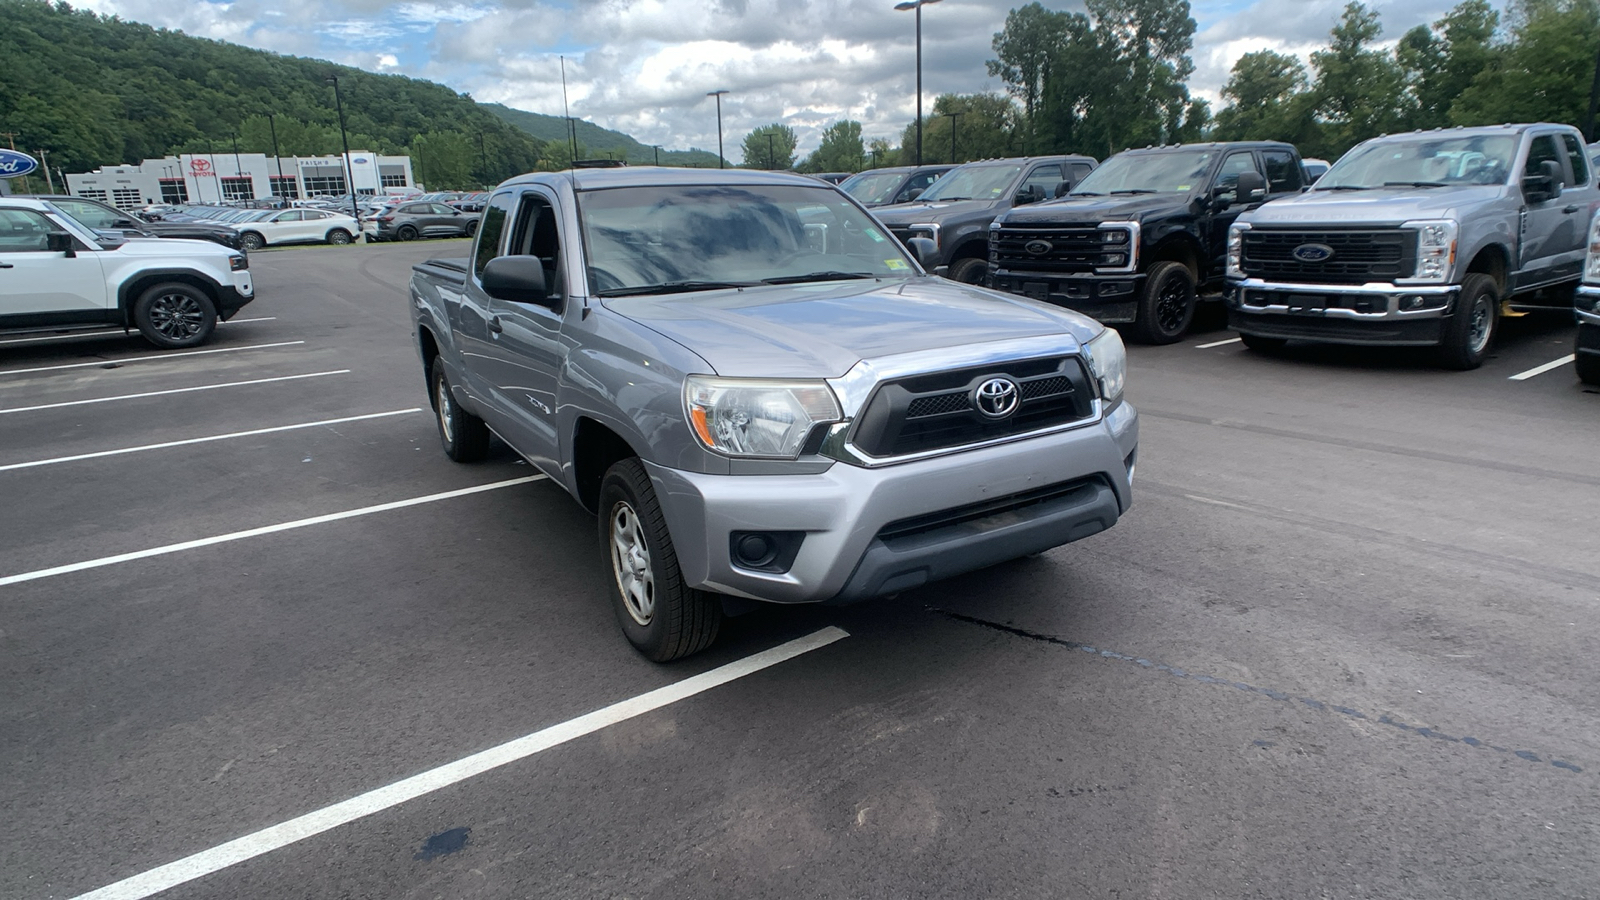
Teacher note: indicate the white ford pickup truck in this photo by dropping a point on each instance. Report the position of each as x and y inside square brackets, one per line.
[55, 273]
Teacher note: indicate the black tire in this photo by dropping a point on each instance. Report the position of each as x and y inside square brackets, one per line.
[465, 437]
[1587, 364]
[251, 241]
[338, 236]
[406, 233]
[472, 228]
[1264, 345]
[662, 617]
[1166, 308]
[1469, 333]
[969, 271]
[175, 315]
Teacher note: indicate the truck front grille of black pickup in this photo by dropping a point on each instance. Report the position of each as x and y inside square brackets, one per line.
[1060, 248]
[1011, 503]
[1357, 257]
[937, 411]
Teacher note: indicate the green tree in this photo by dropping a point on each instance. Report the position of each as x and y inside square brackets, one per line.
[1543, 73]
[769, 147]
[841, 150]
[443, 160]
[985, 126]
[881, 154]
[1026, 50]
[1358, 86]
[1267, 100]
[1440, 63]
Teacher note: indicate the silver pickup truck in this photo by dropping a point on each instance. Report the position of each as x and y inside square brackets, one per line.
[763, 396]
[1420, 239]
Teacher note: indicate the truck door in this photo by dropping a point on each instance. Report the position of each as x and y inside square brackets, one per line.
[1578, 201]
[469, 312]
[526, 354]
[1539, 245]
[41, 287]
[1227, 181]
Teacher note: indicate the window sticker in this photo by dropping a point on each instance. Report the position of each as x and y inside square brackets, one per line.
[875, 235]
[898, 265]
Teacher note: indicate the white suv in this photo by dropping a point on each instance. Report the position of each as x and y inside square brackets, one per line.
[55, 273]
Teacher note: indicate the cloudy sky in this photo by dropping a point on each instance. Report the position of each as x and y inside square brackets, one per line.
[644, 66]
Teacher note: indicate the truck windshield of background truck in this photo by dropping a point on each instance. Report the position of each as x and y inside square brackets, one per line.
[1148, 173]
[700, 237]
[973, 182]
[1426, 160]
[874, 187]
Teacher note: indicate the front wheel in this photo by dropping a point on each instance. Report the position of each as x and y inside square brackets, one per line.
[251, 241]
[1587, 364]
[662, 618]
[175, 315]
[338, 236]
[1468, 333]
[969, 271]
[465, 437]
[1167, 305]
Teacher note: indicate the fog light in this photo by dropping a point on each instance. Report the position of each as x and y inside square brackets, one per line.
[755, 550]
[765, 551]
[1414, 302]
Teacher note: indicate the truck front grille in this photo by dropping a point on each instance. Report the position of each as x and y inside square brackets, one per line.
[938, 411]
[1357, 257]
[1059, 248]
[917, 526]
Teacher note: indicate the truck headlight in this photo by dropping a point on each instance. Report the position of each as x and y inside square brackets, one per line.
[757, 418]
[1108, 361]
[1436, 250]
[1591, 263]
[929, 231]
[1119, 247]
[1236, 249]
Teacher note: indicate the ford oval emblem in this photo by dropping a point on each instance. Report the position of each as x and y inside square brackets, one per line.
[13, 163]
[1038, 248]
[1313, 253]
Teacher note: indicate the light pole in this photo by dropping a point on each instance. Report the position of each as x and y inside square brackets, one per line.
[272, 122]
[721, 162]
[657, 148]
[772, 154]
[917, 5]
[955, 119]
[349, 174]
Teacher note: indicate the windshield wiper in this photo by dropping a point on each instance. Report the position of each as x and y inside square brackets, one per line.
[817, 276]
[1085, 194]
[674, 287]
[1135, 191]
[1343, 187]
[1414, 184]
[941, 199]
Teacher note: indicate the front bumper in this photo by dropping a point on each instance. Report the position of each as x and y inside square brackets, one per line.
[1108, 298]
[1373, 313]
[951, 514]
[1588, 311]
[232, 297]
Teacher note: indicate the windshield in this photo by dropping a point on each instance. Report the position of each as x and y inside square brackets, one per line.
[699, 236]
[1153, 173]
[987, 182]
[89, 215]
[873, 187]
[1423, 161]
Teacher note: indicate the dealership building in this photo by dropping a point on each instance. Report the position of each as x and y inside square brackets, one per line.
[224, 177]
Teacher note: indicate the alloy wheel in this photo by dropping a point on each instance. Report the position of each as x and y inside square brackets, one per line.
[630, 563]
[177, 316]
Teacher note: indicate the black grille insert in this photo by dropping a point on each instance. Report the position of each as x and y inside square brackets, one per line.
[1358, 256]
[936, 411]
[1061, 249]
[919, 525]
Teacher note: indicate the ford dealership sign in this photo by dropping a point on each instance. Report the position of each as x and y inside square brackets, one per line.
[13, 163]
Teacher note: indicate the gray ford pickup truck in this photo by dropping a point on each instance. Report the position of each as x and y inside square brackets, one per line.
[1420, 239]
[763, 396]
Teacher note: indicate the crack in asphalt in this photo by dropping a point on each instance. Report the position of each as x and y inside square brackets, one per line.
[1280, 696]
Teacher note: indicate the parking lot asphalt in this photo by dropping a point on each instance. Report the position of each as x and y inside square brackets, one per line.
[1340, 647]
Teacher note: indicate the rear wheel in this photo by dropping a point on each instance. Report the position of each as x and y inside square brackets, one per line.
[252, 241]
[465, 437]
[406, 233]
[472, 228]
[969, 271]
[1468, 333]
[1167, 305]
[662, 617]
[338, 236]
[175, 315]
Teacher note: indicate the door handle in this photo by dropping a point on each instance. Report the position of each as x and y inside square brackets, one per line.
[5, 266]
[1571, 209]
[494, 325]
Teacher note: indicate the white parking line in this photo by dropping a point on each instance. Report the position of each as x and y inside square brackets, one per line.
[134, 359]
[203, 440]
[118, 332]
[314, 823]
[1217, 343]
[1540, 370]
[257, 532]
[203, 387]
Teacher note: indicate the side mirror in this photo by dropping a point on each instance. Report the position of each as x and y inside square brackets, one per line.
[124, 223]
[1545, 185]
[926, 250]
[1033, 193]
[1063, 188]
[1252, 187]
[912, 194]
[516, 279]
[60, 242]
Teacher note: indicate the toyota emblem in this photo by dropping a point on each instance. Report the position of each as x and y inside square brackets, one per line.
[997, 398]
[1313, 253]
[1038, 248]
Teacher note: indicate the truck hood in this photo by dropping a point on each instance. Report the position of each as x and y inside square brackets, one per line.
[1094, 210]
[1383, 206]
[821, 330]
[176, 249]
[918, 212]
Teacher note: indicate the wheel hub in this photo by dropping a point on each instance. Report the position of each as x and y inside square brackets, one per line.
[630, 563]
[177, 316]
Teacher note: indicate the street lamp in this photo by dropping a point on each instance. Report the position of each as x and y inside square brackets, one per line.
[917, 5]
[349, 174]
[955, 119]
[272, 122]
[721, 163]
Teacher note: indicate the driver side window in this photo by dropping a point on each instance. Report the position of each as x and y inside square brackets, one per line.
[1542, 150]
[1235, 165]
[491, 229]
[538, 234]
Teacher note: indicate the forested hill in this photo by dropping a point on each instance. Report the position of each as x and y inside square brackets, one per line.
[596, 141]
[95, 91]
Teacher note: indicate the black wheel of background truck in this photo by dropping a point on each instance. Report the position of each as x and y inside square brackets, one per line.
[1167, 306]
[175, 315]
[251, 241]
[1587, 364]
[338, 236]
[1265, 345]
[406, 233]
[465, 437]
[662, 617]
[969, 271]
[1469, 333]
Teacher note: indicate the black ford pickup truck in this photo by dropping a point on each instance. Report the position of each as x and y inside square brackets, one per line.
[1142, 235]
